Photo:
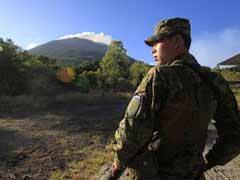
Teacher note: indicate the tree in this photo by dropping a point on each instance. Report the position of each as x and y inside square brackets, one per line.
[9, 48]
[83, 83]
[20, 71]
[137, 72]
[114, 66]
[11, 78]
[14, 52]
[87, 66]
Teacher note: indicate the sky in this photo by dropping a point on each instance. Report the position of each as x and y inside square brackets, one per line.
[215, 24]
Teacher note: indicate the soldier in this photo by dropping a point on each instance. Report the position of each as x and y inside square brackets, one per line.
[177, 98]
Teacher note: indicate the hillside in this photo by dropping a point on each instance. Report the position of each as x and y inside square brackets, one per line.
[71, 51]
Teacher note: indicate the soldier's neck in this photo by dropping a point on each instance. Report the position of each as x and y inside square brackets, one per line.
[178, 56]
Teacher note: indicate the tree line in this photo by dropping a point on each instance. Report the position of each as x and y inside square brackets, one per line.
[22, 73]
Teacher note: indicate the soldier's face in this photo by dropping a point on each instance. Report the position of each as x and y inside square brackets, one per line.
[163, 51]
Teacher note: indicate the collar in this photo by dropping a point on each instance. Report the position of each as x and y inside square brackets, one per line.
[184, 58]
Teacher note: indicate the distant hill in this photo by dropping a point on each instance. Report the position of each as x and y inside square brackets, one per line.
[72, 51]
[235, 60]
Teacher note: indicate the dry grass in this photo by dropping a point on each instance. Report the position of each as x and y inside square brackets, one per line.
[15, 104]
[83, 169]
[93, 158]
[33, 103]
[236, 92]
[91, 98]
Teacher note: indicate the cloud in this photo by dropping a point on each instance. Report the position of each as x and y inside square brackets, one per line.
[213, 48]
[31, 45]
[100, 37]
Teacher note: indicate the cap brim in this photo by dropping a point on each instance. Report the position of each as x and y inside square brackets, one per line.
[153, 39]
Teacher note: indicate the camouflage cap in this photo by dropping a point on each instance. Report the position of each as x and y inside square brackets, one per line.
[169, 27]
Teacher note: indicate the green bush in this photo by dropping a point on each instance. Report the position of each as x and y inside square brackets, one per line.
[83, 83]
[137, 71]
[12, 78]
[41, 80]
[230, 75]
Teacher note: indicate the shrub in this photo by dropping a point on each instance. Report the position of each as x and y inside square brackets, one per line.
[11, 76]
[41, 80]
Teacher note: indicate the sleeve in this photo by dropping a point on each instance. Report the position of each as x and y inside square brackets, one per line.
[227, 120]
[136, 128]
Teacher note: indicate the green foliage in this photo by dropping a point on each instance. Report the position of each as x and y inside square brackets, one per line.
[83, 83]
[22, 73]
[30, 60]
[87, 76]
[92, 78]
[41, 80]
[33, 61]
[87, 66]
[229, 74]
[114, 67]
[236, 68]
[11, 77]
[23, 56]
[9, 48]
[137, 72]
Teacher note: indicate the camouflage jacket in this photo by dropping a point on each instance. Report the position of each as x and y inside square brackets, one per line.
[175, 101]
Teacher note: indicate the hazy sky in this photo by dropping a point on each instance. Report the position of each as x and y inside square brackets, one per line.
[215, 23]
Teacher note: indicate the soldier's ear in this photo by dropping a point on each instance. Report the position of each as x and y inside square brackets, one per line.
[178, 40]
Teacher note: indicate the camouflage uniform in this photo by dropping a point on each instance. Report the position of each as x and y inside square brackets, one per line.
[175, 101]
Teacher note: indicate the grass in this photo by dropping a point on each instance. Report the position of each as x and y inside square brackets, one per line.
[83, 169]
[15, 104]
[33, 103]
[91, 98]
[236, 92]
[92, 157]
